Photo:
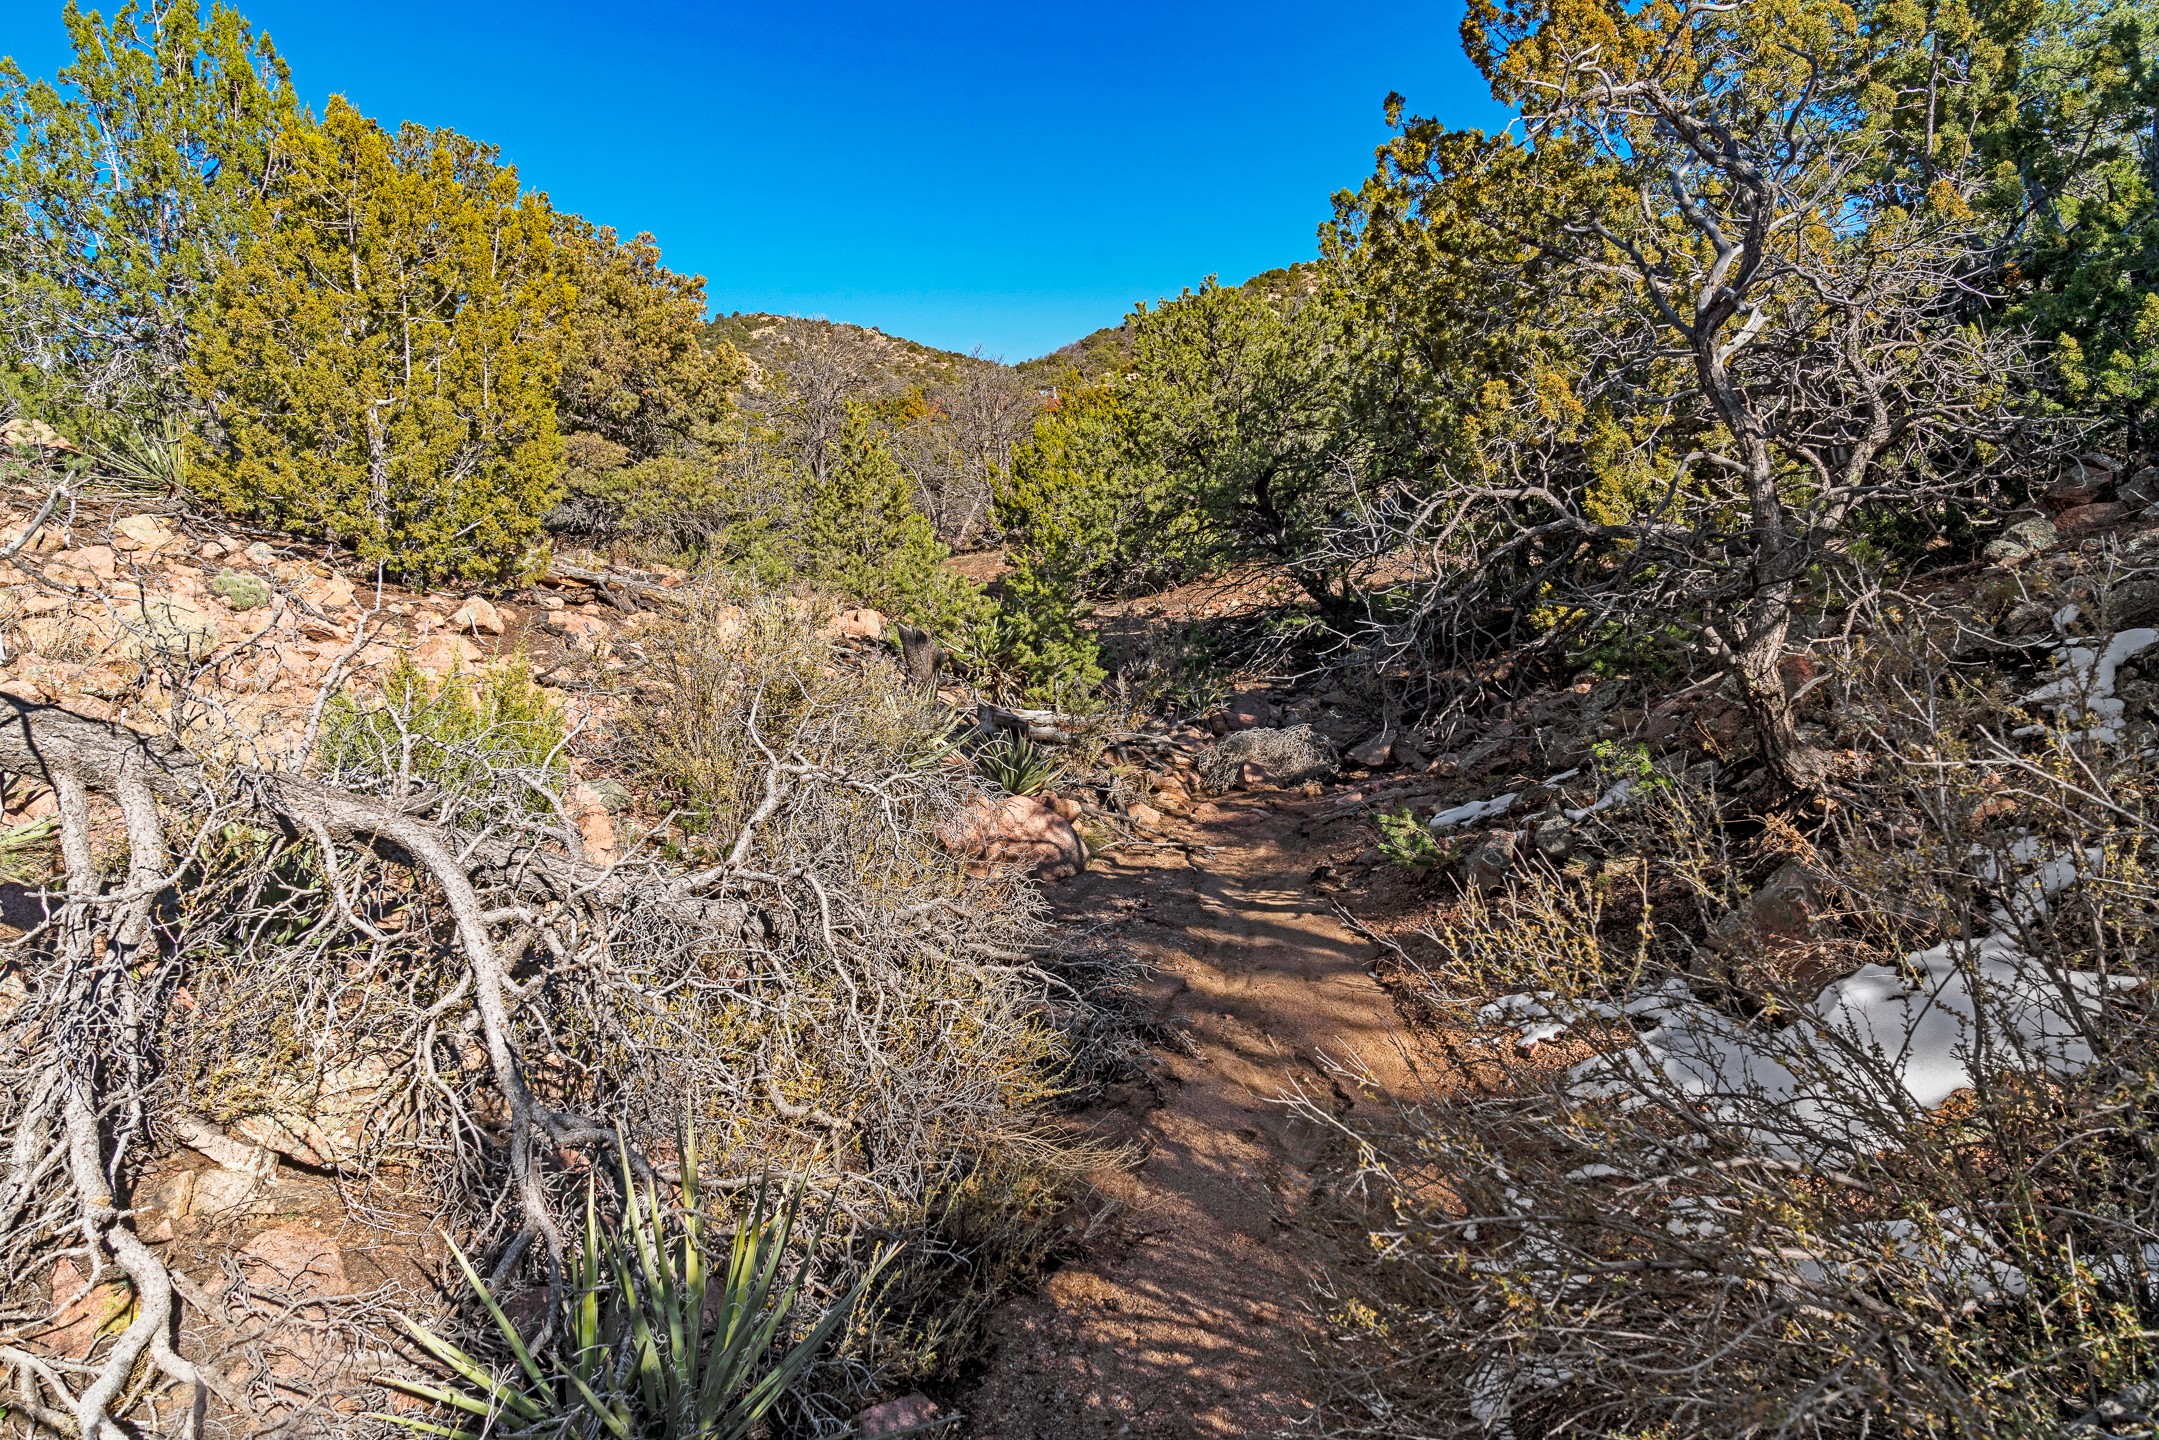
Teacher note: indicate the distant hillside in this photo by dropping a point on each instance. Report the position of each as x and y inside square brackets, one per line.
[894, 363]
[1107, 350]
[890, 362]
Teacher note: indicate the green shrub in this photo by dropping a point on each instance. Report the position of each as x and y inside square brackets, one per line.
[1404, 840]
[463, 732]
[862, 537]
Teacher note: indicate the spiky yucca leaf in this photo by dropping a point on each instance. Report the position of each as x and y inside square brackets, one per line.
[654, 1342]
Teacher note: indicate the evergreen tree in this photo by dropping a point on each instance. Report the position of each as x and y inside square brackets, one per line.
[862, 536]
[123, 189]
[381, 365]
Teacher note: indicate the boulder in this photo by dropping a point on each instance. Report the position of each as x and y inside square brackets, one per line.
[859, 623]
[444, 653]
[167, 627]
[144, 533]
[1373, 753]
[1019, 832]
[1287, 757]
[478, 614]
[2026, 537]
[240, 590]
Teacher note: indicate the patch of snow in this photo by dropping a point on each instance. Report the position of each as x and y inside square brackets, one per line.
[2085, 689]
[1470, 813]
[1866, 1047]
[1619, 794]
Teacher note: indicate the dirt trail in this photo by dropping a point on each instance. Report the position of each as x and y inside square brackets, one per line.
[1190, 1318]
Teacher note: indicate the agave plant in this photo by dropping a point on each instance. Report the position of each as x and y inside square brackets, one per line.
[654, 1343]
[1015, 764]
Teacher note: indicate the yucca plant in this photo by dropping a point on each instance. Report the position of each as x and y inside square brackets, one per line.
[1015, 764]
[138, 461]
[654, 1343]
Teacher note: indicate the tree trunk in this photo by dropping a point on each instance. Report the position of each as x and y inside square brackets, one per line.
[1799, 768]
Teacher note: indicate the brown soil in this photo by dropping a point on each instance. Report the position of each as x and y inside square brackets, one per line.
[1192, 1314]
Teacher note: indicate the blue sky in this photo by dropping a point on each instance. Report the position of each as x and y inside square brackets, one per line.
[1008, 176]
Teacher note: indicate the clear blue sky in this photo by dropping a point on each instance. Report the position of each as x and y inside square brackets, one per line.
[1004, 175]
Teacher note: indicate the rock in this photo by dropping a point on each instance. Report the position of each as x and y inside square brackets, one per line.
[2084, 519]
[478, 614]
[1375, 753]
[145, 533]
[1786, 906]
[1554, 839]
[2134, 603]
[444, 653]
[240, 590]
[328, 592]
[322, 1121]
[1492, 863]
[1252, 775]
[1144, 815]
[295, 1258]
[589, 812]
[2140, 491]
[1018, 832]
[48, 538]
[894, 1416]
[1069, 809]
[81, 1317]
[581, 630]
[1246, 710]
[166, 627]
[27, 434]
[2026, 537]
[613, 794]
[62, 637]
[97, 563]
[859, 623]
[1290, 757]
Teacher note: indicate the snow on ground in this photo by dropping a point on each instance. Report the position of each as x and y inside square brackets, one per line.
[1471, 812]
[1866, 1049]
[2084, 691]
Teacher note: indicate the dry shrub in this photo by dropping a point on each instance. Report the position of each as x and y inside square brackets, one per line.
[919, 1008]
[790, 958]
[1897, 1177]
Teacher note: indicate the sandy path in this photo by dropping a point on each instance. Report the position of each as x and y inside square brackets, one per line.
[1191, 1318]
